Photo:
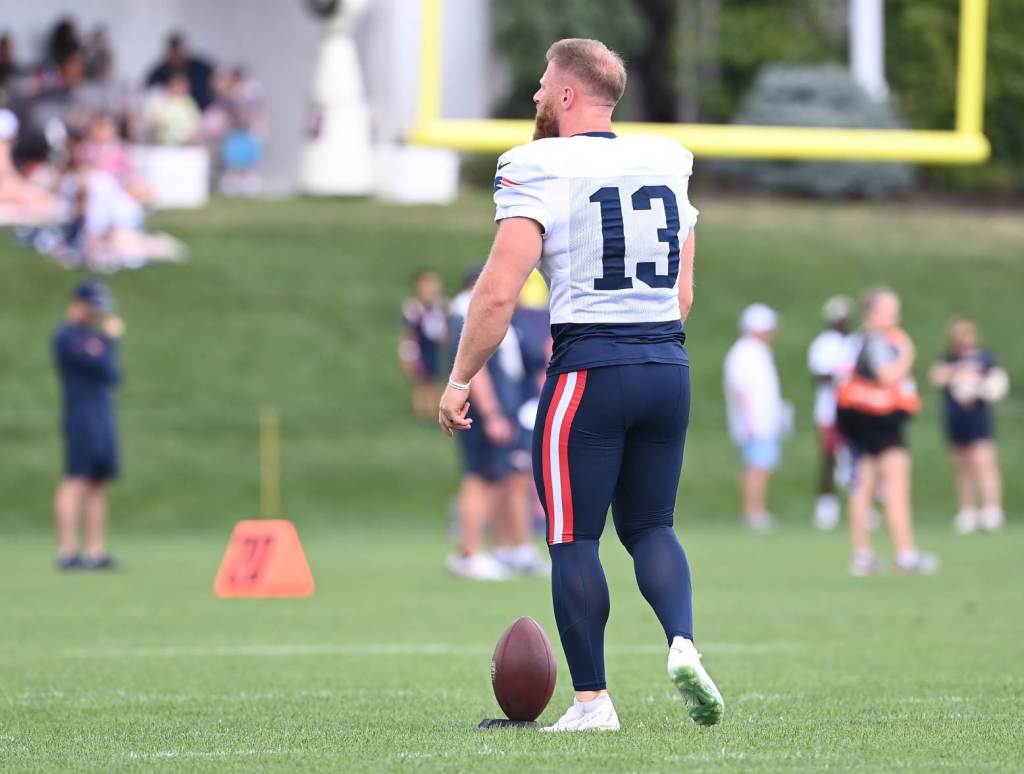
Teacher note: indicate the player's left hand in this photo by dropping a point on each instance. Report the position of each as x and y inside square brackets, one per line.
[452, 413]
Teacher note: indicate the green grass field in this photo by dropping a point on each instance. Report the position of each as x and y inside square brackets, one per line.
[386, 667]
[295, 304]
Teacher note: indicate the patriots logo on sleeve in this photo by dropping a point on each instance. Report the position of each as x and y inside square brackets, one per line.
[504, 182]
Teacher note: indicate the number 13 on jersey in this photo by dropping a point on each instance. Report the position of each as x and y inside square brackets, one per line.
[615, 248]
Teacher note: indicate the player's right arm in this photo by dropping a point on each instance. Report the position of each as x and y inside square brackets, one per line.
[523, 219]
[515, 253]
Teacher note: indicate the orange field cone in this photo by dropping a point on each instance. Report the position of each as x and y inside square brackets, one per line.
[264, 559]
[264, 556]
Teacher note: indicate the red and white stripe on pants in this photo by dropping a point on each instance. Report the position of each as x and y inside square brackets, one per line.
[555, 459]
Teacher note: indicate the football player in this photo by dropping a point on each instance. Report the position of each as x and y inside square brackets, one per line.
[609, 220]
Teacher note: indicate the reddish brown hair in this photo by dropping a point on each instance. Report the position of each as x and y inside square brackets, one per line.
[599, 68]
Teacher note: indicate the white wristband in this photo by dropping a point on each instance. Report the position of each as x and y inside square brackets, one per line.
[457, 385]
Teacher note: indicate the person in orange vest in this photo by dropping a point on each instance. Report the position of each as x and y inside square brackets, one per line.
[874, 404]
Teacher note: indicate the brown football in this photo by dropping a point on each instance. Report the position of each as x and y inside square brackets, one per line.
[523, 670]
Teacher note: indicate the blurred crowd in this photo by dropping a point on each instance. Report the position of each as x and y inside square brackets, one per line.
[861, 363]
[865, 396]
[68, 178]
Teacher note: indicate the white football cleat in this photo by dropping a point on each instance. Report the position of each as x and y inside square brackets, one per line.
[703, 700]
[477, 567]
[600, 717]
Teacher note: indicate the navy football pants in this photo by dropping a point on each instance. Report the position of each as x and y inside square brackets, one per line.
[612, 435]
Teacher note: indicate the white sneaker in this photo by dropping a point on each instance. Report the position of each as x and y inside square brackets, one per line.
[918, 562]
[761, 522]
[596, 715]
[966, 522]
[526, 560]
[826, 512]
[991, 519]
[478, 567]
[703, 701]
[864, 563]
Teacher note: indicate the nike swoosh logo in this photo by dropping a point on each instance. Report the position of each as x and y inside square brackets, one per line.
[502, 166]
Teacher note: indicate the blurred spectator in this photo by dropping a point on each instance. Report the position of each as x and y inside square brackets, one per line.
[874, 404]
[85, 351]
[757, 412]
[177, 59]
[829, 358]
[8, 66]
[103, 150]
[234, 128]
[47, 91]
[99, 59]
[170, 116]
[99, 92]
[486, 449]
[425, 328]
[63, 39]
[971, 382]
[105, 226]
[22, 203]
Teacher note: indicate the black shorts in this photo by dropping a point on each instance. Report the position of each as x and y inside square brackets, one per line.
[872, 434]
[481, 457]
[965, 426]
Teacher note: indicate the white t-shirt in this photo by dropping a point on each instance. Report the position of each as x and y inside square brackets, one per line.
[832, 354]
[615, 215]
[752, 394]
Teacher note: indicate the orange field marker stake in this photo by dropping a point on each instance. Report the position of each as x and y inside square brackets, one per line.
[264, 556]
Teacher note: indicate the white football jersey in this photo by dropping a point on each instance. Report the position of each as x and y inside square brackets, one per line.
[615, 215]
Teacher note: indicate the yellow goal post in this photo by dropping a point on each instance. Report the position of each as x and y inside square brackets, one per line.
[964, 144]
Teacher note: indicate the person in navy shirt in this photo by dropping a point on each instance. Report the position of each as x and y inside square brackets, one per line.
[85, 352]
[424, 330]
[972, 382]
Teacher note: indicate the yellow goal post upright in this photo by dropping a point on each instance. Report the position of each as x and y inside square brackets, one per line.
[964, 144]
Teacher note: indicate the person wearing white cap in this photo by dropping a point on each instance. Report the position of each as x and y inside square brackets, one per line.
[830, 357]
[756, 410]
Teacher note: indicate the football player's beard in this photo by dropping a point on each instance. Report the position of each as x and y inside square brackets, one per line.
[546, 124]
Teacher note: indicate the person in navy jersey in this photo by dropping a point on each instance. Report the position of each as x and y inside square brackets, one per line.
[85, 352]
[971, 382]
[485, 451]
[609, 222]
[424, 331]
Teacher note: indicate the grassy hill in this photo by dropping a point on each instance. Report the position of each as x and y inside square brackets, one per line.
[296, 304]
